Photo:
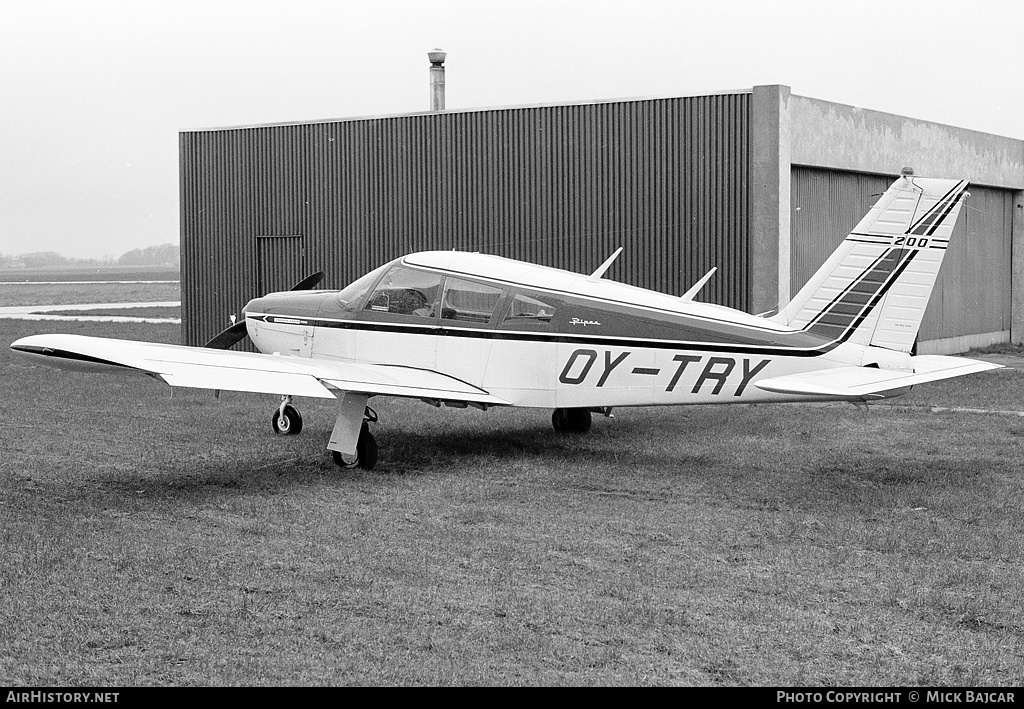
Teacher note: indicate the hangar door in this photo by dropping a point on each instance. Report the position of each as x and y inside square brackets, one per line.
[280, 262]
[972, 294]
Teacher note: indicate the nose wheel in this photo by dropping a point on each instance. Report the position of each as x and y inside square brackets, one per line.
[286, 420]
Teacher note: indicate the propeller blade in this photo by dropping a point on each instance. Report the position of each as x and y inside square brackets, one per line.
[228, 337]
[309, 282]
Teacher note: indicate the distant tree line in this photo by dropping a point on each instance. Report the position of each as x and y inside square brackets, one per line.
[166, 255]
[162, 255]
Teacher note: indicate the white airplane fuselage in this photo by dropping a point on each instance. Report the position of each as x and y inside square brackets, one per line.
[578, 343]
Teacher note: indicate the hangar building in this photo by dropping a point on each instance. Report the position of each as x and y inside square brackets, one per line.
[761, 183]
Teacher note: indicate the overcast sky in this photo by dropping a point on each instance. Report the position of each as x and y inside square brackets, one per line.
[93, 93]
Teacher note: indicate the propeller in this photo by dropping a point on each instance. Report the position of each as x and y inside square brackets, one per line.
[309, 282]
[225, 338]
[228, 337]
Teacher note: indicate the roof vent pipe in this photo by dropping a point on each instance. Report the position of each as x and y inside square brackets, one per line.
[436, 79]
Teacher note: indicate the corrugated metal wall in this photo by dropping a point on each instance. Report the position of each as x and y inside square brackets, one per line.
[280, 262]
[825, 205]
[972, 294]
[558, 185]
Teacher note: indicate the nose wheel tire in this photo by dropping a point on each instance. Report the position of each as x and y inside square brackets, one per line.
[286, 421]
[571, 420]
[366, 452]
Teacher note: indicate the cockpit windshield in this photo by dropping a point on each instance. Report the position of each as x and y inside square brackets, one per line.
[407, 291]
[350, 297]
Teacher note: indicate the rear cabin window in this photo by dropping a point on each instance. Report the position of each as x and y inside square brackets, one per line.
[406, 291]
[466, 301]
[525, 311]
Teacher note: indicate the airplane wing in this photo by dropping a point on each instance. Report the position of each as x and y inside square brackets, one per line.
[202, 368]
[865, 383]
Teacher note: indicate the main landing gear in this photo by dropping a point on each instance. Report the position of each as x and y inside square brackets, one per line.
[577, 420]
[287, 421]
[366, 447]
[571, 420]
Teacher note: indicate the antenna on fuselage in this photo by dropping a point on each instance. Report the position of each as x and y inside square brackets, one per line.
[596, 275]
[689, 295]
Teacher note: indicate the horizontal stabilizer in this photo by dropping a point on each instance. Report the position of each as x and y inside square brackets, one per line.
[866, 383]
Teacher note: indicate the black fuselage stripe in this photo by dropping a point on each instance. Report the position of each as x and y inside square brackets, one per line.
[580, 340]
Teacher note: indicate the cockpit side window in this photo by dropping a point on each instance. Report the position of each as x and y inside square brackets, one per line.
[527, 311]
[406, 291]
[468, 301]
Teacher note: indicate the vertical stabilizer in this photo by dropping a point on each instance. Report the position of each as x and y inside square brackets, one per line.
[874, 288]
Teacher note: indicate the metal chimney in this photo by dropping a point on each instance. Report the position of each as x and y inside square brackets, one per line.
[436, 79]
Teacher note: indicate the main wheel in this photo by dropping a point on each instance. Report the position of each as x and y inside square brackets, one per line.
[366, 452]
[571, 420]
[287, 422]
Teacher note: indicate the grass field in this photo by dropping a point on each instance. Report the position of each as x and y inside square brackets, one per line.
[12, 294]
[107, 273]
[171, 540]
[173, 312]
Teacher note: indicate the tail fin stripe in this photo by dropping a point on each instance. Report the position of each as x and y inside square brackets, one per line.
[852, 325]
[870, 238]
[847, 311]
[934, 208]
[871, 275]
[937, 214]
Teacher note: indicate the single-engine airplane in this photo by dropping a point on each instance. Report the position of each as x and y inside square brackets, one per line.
[464, 329]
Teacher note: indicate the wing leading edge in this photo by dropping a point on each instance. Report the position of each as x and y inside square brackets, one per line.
[200, 368]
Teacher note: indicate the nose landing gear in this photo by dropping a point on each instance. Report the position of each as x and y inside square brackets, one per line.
[287, 421]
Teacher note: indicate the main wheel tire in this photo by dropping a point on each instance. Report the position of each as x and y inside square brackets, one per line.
[571, 420]
[288, 422]
[558, 420]
[366, 452]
